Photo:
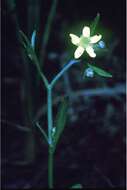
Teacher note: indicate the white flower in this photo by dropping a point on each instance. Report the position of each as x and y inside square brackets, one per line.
[84, 42]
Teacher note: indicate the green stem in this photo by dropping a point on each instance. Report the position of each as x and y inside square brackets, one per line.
[50, 168]
[50, 116]
[65, 68]
[50, 126]
[49, 108]
[50, 122]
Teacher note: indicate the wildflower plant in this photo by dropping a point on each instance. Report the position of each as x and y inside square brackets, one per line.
[85, 43]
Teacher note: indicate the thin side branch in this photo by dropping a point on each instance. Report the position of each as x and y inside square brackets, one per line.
[43, 132]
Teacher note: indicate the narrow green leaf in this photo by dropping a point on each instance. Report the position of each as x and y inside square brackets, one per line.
[94, 24]
[23, 44]
[24, 38]
[60, 121]
[42, 131]
[99, 71]
[77, 186]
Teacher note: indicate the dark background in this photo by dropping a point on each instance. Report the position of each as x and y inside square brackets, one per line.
[92, 149]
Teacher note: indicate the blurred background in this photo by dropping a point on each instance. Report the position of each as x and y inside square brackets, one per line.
[91, 150]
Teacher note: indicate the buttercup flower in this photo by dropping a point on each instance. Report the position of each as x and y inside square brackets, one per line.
[84, 42]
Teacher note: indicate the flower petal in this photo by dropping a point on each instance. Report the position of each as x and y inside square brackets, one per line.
[90, 51]
[78, 52]
[95, 39]
[86, 31]
[74, 39]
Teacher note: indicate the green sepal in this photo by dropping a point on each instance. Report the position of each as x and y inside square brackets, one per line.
[99, 71]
